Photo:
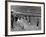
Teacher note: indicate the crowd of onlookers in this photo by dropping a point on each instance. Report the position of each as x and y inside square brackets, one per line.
[21, 22]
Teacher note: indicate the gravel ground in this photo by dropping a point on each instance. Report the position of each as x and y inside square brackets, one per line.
[23, 25]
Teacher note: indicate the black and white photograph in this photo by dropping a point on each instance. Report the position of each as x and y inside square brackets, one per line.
[25, 18]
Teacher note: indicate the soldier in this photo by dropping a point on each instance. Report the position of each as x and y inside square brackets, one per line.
[37, 22]
[12, 19]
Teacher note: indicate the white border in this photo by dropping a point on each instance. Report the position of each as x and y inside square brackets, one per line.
[24, 32]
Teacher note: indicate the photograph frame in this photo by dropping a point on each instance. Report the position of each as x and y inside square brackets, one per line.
[6, 18]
